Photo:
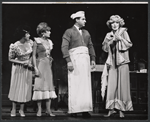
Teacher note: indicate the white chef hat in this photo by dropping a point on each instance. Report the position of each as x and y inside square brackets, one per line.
[78, 14]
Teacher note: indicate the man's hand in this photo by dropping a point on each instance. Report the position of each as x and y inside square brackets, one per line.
[70, 66]
[93, 64]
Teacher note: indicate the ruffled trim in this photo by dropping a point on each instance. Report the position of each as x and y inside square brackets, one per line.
[14, 47]
[38, 40]
[39, 95]
[120, 105]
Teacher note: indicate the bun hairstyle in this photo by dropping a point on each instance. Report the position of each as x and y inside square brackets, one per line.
[115, 18]
[42, 27]
[21, 31]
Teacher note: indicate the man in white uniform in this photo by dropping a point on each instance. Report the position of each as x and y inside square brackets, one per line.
[77, 49]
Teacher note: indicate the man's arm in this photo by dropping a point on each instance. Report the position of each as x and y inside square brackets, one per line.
[65, 49]
[65, 45]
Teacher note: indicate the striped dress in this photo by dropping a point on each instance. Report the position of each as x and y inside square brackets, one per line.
[21, 77]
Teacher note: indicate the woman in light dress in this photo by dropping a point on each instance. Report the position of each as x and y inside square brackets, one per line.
[21, 74]
[42, 61]
[117, 44]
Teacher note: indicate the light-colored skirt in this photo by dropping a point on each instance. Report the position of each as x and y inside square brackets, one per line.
[21, 84]
[43, 85]
[118, 89]
[41, 95]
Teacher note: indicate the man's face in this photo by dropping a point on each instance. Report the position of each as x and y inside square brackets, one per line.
[81, 21]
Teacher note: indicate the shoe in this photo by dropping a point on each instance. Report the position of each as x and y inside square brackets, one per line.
[21, 113]
[110, 113]
[121, 114]
[13, 114]
[39, 114]
[86, 115]
[50, 114]
[73, 114]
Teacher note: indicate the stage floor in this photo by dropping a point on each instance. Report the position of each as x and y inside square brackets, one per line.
[61, 114]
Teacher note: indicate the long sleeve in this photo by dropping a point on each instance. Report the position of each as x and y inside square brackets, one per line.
[91, 49]
[105, 45]
[65, 45]
[125, 42]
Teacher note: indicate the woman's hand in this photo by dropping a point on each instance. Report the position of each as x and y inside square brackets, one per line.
[30, 65]
[37, 73]
[70, 66]
[118, 37]
[51, 60]
[110, 36]
[25, 63]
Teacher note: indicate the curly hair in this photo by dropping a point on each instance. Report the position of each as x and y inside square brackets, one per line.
[115, 18]
[42, 27]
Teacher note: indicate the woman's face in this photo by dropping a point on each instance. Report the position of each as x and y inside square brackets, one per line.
[27, 36]
[47, 34]
[115, 25]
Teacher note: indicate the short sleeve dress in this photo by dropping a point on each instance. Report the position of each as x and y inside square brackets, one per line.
[21, 76]
[43, 85]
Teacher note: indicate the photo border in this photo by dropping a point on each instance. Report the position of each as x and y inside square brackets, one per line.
[70, 1]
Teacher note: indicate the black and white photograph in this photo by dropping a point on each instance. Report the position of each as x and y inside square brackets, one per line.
[74, 61]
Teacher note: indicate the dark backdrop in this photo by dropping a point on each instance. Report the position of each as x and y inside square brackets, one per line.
[58, 17]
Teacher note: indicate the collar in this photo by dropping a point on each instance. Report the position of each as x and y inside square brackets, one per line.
[76, 27]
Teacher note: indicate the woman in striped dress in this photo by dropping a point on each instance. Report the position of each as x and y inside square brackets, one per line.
[21, 73]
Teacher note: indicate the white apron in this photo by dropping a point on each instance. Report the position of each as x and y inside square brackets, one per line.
[79, 81]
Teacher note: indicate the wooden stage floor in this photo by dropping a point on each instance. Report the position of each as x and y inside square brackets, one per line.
[61, 114]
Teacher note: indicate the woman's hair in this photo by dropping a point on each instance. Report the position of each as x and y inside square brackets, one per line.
[21, 31]
[42, 27]
[115, 18]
